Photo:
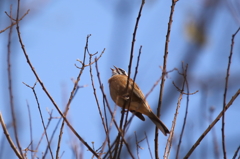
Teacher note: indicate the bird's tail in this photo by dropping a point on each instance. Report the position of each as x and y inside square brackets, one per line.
[158, 123]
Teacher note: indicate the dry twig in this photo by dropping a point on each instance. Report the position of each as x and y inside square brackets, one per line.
[163, 74]
[225, 94]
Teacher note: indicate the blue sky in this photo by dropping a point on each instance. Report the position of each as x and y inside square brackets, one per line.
[54, 34]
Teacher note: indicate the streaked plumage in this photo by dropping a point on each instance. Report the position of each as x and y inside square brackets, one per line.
[138, 105]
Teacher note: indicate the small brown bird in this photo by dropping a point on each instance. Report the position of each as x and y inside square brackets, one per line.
[138, 105]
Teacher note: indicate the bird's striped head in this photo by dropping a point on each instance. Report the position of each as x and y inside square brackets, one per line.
[118, 71]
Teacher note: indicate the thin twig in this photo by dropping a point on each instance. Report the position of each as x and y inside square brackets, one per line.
[30, 126]
[107, 138]
[225, 94]
[39, 142]
[134, 79]
[73, 92]
[40, 112]
[117, 154]
[55, 129]
[137, 145]
[184, 92]
[90, 62]
[104, 123]
[211, 125]
[163, 74]
[13, 23]
[27, 149]
[156, 83]
[186, 113]
[129, 73]
[133, 41]
[148, 145]
[126, 123]
[131, 94]
[170, 138]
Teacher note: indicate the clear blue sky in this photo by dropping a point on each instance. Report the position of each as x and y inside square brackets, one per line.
[54, 34]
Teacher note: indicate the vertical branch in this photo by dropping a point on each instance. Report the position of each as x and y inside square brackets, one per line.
[185, 117]
[170, 138]
[104, 123]
[164, 73]
[133, 41]
[136, 140]
[131, 92]
[129, 71]
[72, 96]
[148, 145]
[225, 94]
[10, 86]
[30, 125]
[134, 79]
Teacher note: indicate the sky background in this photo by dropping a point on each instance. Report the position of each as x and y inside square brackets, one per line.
[54, 34]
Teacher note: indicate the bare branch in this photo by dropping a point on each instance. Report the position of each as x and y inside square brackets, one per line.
[13, 23]
[9, 71]
[30, 126]
[40, 112]
[211, 125]
[186, 111]
[45, 90]
[225, 95]
[163, 74]
[170, 138]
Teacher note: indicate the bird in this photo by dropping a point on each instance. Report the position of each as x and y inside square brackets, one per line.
[138, 105]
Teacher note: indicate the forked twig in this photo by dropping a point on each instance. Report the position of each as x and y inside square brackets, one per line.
[44, 88]
[9, 77]
[40, 112]
[148, 145]
[186, 111]
[170, 138]
[225, 94]
[72, 94]
[104, 123]
[164, 73]
[136, 141]
[13, 23]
